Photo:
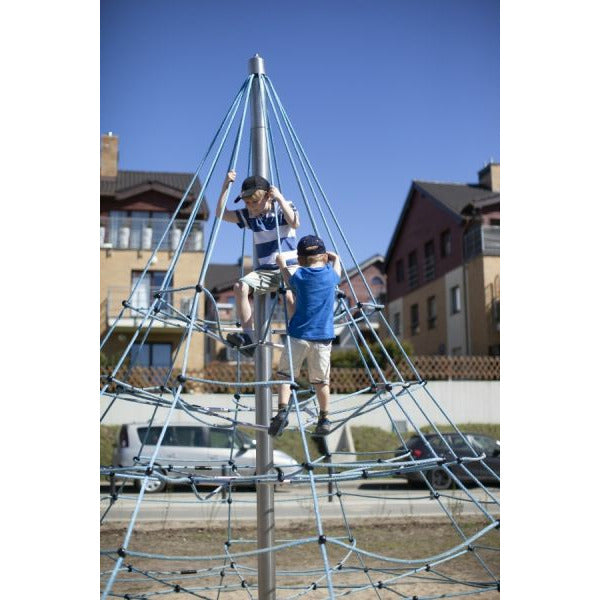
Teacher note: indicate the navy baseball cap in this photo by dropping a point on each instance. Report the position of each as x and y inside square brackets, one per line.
[310, 245]
[251, 184]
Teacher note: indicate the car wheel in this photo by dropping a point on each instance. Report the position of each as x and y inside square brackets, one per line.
[153, 486]
[440, 479]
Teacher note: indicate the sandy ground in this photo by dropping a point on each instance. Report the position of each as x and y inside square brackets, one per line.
[301, 566]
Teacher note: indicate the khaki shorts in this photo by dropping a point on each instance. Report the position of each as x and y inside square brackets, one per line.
[265, 280]
[318, 358]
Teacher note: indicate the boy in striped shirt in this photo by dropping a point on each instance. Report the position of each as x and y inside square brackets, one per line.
[265, 212]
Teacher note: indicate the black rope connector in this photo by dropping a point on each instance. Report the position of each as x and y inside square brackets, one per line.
[149, 471]
[470, 548]
[238, 324]
[177, 588]
[359, 305]
[339, 567]
[415, 598]
[188, 571]
[119, 388]
[341, 295]
[322, 539]
[498, 524]
[281, 290]
[231, 463]
[313, 585]
[164, 389]
[308, 466]
[373, 387]
[122, 552]
[110, 378]
[338, 494]
[294, 386]
[229, 500]
[458, 460]
[222, 573]
[436, 494]
[236, 396]
[351, 539]
[127, 597]
[125, 304]
[498, 586]
[365, 474]
[129, 568]
[389, 387]
[378, 308]
[232, 565]
[136, 459]
[228, 543]
[170, 468]
[114, 497]
[280, 475]
[380, 584]
[428, 567]
[181, 378]
[366, 569]
[199, 288]
[158, 295]
[244, 584]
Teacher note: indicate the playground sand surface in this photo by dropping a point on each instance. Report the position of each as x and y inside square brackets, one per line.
[413, 538]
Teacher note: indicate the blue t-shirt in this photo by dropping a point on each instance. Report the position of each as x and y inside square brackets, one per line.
[314, 288]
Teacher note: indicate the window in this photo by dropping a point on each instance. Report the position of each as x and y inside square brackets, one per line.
[429, 261]
[400, 270]
[174, 436]
[376, 281]
[455, 299]
[220, 438]
[396, 324]
[431, 312]
[151, 355]
[413, 270]
[148, 286]
[445, 243]
[414, 319]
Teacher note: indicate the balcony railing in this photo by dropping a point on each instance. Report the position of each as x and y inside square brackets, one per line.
[413, 276]
[429, 268]
[135, 233]
[482, 240]
[173, 309]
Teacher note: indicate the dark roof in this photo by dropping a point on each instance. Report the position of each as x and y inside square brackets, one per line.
[129, 183]
[455, 196]
[221, 276]
[451, 196]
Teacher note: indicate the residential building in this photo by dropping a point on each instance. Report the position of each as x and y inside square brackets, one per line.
[135, 209]
[443, 267]
[371, 273]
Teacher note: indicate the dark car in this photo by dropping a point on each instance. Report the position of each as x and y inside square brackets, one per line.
[438, 477]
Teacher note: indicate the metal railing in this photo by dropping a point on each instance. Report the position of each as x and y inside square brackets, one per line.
[138, 233]
[175, 305]
[482, 240]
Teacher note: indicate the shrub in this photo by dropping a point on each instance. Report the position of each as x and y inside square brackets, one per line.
[351, 358]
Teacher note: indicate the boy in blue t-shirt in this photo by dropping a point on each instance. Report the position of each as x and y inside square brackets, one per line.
[310, 329]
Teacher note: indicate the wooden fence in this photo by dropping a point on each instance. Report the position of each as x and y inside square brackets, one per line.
[343, 380]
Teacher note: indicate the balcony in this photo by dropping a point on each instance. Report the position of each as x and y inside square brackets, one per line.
[136, 233]
[482, 240]
[171, 311]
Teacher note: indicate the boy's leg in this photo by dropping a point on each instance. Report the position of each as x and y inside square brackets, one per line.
[319, 367]
[242, 303]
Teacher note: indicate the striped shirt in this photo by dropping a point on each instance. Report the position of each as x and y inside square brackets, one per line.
[265, 236]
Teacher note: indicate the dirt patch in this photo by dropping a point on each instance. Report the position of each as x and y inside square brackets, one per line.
[301, 567]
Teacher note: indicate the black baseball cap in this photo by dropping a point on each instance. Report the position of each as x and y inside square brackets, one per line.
[310, 245]
[251, 184]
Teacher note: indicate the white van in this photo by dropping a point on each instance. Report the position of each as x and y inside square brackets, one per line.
[191, 446]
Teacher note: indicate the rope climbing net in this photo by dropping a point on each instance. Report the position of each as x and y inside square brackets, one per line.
[342, 565]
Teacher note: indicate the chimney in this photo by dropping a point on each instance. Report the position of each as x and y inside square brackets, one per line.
[109, 155]
[489, 177]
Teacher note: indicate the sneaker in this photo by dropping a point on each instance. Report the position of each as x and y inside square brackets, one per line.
[278, 423]
[241, 339]
[323, 427]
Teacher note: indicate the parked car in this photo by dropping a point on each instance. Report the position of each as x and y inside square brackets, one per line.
[193, 446]
[439, 478]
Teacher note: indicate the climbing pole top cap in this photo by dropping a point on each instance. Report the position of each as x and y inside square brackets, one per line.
[310, 245]
[251, 184]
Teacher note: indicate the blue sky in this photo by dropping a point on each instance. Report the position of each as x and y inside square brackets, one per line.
[380, 92]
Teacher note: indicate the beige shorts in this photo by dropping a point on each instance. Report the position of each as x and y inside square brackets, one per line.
[318, 356]
[265, 280]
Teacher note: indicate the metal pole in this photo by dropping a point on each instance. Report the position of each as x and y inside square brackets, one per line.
[265, 512]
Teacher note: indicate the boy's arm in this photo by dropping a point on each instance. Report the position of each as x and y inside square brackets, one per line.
[283, 268]
[228, 215]
[289, 214]
[336, 265]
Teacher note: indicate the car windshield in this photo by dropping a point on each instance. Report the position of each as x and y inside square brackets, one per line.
[484, 443]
